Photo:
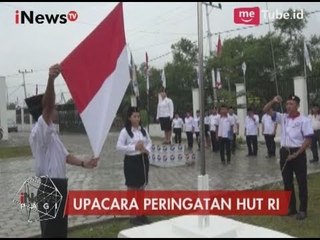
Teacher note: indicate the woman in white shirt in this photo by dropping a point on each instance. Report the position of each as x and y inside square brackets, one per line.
[134, 141]
[188, 121]
[177, 124]
[165, 115]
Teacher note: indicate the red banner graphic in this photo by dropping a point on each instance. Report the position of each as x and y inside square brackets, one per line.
[177, 202]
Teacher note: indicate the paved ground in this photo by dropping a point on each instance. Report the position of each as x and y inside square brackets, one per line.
[242, 173]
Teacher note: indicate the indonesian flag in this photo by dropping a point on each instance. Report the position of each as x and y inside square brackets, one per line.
[97, 75]
[163, 78]
[307, 56]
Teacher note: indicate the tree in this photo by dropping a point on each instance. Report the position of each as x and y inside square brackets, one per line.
[11, 106]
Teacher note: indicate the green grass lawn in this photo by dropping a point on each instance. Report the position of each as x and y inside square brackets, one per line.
[310, 227]
[107, 229]
[13, 152]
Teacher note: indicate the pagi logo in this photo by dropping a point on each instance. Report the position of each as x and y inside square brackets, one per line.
[250, 16]
[24, 17]
[38, 200]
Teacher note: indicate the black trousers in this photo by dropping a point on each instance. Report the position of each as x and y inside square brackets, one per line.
[298, 166]
[190, 139]
[225, 145]
[214, 142]
[252, 143]
[177, 135]
[198, 139]
[271, 144]
[58, 226]
[314, 146]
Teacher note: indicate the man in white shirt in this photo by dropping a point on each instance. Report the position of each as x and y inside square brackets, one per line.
[196, 127]
[315, 120]
[165, 115]
[251, 132]
[213, 134]
[207, 129]
[177, 125]
[225, 125]
[269, 129]
[296, 137]
[51, 157]
[235, 129]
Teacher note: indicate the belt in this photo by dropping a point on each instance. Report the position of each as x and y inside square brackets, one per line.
[291, 149]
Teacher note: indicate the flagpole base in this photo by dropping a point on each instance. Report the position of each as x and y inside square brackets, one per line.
[203, 185]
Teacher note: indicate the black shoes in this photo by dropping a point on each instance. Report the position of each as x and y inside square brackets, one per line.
[301, 215]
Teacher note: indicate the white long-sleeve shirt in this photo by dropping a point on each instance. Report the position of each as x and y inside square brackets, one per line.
[188, 121]
[225, 125]
[49, 152]
[177, 123]
[251, 125]
[127, 144]
[196, 122]
[268, 124]
[165, 108]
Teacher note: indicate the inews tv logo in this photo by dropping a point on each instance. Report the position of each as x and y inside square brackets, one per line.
[251, 15]
[24, 17]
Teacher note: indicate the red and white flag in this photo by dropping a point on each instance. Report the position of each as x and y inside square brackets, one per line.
[97, 75]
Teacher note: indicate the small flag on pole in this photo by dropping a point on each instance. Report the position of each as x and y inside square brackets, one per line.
[134, 76]
[147, 72]
[307, 56]
[213, 78]
[163, 79]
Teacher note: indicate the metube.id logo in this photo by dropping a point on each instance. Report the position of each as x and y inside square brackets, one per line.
[30, 17]
[250, 16]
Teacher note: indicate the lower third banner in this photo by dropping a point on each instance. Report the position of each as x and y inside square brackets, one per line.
[177, 202]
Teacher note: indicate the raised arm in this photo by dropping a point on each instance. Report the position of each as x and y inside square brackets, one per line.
[268, 106]
[49, 97]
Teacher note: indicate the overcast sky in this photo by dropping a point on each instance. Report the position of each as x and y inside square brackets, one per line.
[150, 27]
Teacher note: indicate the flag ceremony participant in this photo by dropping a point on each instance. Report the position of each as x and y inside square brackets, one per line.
[251, 132]
[177, 125]
[315, 120]
[224, 124]
[196, 127]
[135, 143]
[188, 123]
[51, 157]
[269, 129]
[296, 137]
[236, 128]
[165, 115]
[207, 129]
